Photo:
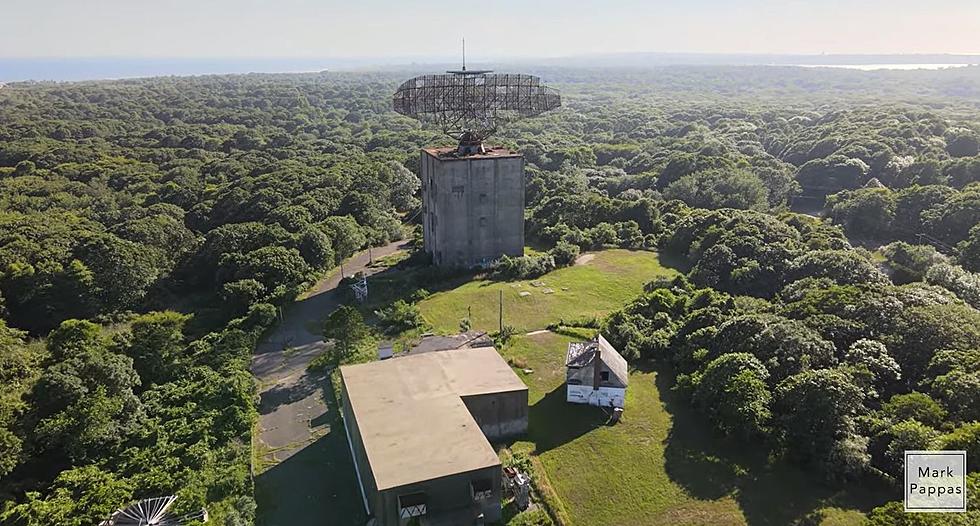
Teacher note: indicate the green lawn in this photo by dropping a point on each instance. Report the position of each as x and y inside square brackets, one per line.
[660, 464]
[593, 288]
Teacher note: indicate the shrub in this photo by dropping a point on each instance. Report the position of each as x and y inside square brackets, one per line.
[565, 254]
[400, 316]
[523, 267]
[504, 335]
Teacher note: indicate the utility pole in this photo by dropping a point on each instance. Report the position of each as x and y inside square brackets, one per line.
[370, 256]
[342, 276]
[501, 311]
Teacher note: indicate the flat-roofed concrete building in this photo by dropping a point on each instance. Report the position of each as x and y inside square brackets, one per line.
[419, 428]
[473, 204]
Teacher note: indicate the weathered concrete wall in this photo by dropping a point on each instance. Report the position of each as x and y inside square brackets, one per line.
[474, 208]
[601, 397]
[499, 415]
[449, 500]
[362, 466]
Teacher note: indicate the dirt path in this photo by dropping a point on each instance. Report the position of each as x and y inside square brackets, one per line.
[295, 479]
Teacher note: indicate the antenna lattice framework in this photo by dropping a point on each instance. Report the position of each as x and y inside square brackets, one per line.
[153, 512]
[470, 105]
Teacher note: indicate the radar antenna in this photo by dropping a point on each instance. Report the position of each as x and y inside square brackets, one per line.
[470, 105]
[153, 512]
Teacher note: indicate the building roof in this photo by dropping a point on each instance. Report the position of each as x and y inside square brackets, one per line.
[451, 152]
[582, 354]
[411, 417]
[463, 340]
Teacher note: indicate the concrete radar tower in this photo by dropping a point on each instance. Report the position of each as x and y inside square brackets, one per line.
[472, 195]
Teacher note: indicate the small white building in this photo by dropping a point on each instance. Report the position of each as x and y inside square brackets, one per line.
[596, 374]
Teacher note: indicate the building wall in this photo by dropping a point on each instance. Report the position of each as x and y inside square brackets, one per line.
[601, 397]
[449, 500]
[474, 208]
[363, 468]
[586, 376]
[500, 415]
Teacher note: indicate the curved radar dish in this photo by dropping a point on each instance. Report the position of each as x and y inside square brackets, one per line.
[153, 512]
[471, 105]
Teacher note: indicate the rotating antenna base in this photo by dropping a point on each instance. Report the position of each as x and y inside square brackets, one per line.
[470, 143]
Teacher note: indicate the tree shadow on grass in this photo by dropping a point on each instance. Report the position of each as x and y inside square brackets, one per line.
[552, 421]
[317, 484]
[770, 492]
[674, 261]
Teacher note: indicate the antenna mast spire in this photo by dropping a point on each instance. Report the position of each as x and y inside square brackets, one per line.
[464, 53]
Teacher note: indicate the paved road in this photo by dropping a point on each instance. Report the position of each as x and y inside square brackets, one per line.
[294, 415]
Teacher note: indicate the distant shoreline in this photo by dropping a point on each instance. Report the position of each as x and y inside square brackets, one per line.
[83, 69]
[876, 67]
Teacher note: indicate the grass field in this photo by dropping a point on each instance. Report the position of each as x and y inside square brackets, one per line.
[592, 288]
[661, 464]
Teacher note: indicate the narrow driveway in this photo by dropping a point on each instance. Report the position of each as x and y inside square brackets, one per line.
[293, 412]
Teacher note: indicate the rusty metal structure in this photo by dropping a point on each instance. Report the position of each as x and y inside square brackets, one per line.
[470, 106]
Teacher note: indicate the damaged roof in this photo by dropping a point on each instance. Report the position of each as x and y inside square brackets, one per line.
[582, 354]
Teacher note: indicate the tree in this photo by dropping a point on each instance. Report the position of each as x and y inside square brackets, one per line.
[784, 346]
[79, 497]
[346, 327]
[959, 392]
[866, 212]
[922, 331]
[404, 186]
[914, 406]
[240, 295]
[123, 271]
[720, 189]
[815, 410]
[156, 345]
[843, 266]
[970, 250]
[965, 438]
[832, 174]
[966, 285]
[907, 435]
[874, 357]
[963, 143]
[346, 235]
[24, 168]
[272, 266]
[84, 401]
[315, 247]
[733, 393]
[907, 263]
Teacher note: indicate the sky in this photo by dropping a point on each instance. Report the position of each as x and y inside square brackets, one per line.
[493, 29]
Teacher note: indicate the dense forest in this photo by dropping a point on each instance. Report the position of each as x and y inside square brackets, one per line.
[827, 222]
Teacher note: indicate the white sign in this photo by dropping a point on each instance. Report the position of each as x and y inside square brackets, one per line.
[935, 481]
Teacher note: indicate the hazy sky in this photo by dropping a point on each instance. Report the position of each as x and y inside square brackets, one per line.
[493, 28]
